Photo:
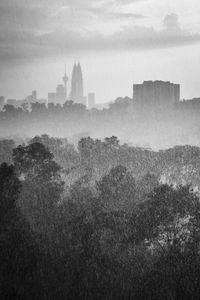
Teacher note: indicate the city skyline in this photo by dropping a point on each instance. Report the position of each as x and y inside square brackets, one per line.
[67, 88]
[118, 42]
[72, 89]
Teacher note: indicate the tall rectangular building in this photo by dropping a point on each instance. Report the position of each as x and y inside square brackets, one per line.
[156, 96]
[2, 102]
[60, 94]
[91, 100]
[51, 97]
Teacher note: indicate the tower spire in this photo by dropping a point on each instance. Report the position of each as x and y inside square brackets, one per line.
[65, 80]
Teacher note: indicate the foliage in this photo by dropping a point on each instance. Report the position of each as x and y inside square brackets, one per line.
[114, 232]
[42, 187]
[19, 253]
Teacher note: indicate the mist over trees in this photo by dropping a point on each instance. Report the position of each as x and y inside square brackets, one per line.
[157, 130]
[102, 220]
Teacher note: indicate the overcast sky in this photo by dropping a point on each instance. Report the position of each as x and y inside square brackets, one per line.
[118, 42]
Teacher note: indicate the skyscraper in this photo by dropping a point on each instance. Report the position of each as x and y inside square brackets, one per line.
[60, 96]
[77, 85]
[2, 102]
[156, 96]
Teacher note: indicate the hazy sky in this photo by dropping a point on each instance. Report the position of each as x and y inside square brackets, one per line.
[118, 42]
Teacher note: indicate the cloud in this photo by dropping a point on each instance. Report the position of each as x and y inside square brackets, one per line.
[141, 37]
[30, 28]
[129, 37]
[125, 2]
[41, 28]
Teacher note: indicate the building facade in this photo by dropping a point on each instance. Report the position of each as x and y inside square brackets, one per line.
[153, 96]
[2, 102]
[59, 96]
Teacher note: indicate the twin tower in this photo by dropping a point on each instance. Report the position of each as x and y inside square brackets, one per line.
[76, 94]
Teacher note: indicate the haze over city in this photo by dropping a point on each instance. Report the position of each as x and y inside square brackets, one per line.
[118, 43]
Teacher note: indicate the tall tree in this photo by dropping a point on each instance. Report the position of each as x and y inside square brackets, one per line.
[117, 189]
[42, 187]
[18, 251]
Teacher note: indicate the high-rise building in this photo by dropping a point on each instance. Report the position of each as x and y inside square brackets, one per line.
[2, 102]
[60, 96]
[91, 100]
[34, 95]
[153, 96]
[77, 85]
[31, 98]
[52, 98]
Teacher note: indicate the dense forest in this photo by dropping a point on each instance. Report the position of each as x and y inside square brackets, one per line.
[102, 220]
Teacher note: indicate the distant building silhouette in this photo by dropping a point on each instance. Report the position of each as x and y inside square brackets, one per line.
[60, 96]
[12, 102]
[153, 96]
[34, 95]
[76, 94]
[52, 98]
[91, 100]
[31, 98]
[2, 102]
